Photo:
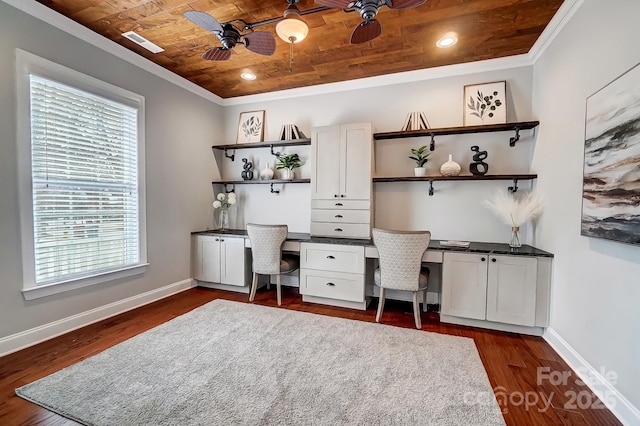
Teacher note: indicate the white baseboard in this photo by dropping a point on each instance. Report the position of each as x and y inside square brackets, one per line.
[620, 406]
[36, 335]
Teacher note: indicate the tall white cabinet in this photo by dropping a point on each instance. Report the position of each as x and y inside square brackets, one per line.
[341, 184]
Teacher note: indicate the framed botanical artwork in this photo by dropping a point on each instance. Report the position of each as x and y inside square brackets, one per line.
[485, 103]
[251, 127]
[611, 176]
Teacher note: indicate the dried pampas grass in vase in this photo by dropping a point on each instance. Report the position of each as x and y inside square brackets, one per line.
[515, 211]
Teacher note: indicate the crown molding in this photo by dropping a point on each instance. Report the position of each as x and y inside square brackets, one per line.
[551, 31]
[560, 19]
[71, 27]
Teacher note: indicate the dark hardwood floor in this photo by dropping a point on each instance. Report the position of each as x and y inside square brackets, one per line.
[526, 395]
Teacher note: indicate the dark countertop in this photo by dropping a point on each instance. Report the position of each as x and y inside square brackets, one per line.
[474, 247]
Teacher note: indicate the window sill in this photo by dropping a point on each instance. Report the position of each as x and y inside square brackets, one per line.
[61, 287]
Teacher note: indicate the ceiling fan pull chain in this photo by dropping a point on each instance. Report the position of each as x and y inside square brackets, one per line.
[291, 55]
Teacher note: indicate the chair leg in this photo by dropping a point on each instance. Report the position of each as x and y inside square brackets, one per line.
[380, 305]
[424, 300]
[278, 290]
[416, 310]
[254, 286]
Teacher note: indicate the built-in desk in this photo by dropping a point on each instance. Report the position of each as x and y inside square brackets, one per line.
[485, 284]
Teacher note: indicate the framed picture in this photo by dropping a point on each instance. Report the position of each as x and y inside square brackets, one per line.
[251, 127]
[611, 177]
[485, 103]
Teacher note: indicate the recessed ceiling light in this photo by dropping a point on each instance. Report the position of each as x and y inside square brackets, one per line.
[447, 41]
[248, 76]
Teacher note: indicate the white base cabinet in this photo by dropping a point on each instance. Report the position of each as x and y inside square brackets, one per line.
[219, 259]
[497, 289]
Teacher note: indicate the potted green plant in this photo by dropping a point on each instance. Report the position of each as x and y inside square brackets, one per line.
[420, 156]
[286, 163]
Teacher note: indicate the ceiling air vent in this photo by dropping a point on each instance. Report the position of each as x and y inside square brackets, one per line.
[138, 39]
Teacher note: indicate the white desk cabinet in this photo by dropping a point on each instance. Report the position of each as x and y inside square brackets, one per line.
[333, 274]
[494, 290]
[219, 259]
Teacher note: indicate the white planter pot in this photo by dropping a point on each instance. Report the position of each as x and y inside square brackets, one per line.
[287, 174]
[420, 171]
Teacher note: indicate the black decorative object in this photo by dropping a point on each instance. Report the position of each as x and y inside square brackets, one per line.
[478, 167]
[247, 174]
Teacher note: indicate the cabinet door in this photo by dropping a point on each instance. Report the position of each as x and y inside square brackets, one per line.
[464, 285]
[209, 259]
[232, 261]
[325, 162]
[355, 161]
[511, 290]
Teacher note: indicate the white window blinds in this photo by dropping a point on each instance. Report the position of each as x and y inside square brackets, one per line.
[85, 183]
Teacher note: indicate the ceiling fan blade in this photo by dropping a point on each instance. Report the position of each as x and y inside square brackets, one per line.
[338, 4]
[366, 31]
[217, 54]
[204, 20]
[406, 4]
[260, 42]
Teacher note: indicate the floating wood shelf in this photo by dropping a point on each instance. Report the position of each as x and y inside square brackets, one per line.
[514, 177]
[487, 128]
[292, 142]
[249, 182]
[271, 144]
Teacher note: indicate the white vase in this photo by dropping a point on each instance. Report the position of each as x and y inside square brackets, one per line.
[450, 168]
[420, 171]
[266, 173]
[287, 174]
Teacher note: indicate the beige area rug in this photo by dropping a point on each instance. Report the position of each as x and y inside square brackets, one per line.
[230, 363]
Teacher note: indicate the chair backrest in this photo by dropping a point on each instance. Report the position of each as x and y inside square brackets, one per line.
[266, 246]
[400, 257]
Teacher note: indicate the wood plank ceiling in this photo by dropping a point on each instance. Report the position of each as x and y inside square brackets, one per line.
[486, 28]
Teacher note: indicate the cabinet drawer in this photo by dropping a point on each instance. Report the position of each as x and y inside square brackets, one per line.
[341, 216]
[332, 285]
[332, 257]
[341, 230]
[339, 204]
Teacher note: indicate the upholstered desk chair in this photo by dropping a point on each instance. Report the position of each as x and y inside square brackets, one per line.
[266, 249]
[400, 258]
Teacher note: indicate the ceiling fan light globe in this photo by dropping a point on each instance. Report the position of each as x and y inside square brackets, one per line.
[292, 30]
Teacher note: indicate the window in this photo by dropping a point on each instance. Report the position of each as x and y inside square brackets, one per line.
[83, 203]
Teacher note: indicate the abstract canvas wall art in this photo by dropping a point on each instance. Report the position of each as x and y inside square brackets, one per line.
[611, 184]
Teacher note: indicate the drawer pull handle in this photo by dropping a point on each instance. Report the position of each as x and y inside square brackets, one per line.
[217, 239]
[330, 257]
[341, 195]
[493, 259]
[338, 230]
[339, 204]
[339, 216]
[482, 258]
[331, 284]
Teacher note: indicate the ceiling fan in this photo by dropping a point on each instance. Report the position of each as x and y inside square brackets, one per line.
[260, 42]
[370, 28]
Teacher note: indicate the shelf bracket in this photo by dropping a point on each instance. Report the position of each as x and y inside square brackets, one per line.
[233, 188]
[430, 188]
[432, 145]
[232, 156]
[275, 154]
[274, 191]
[516, 138]
[514, 188]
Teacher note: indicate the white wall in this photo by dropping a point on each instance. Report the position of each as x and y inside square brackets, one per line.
[180, 129]
[596, 284]
[454, 212]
